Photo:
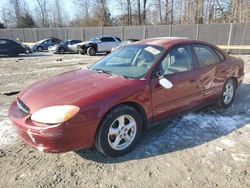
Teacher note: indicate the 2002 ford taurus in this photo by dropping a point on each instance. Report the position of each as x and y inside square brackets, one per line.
[110, 103]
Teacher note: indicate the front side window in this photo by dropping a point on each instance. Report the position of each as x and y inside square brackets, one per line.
[48, 41]
[206, 56]
[129, 61]
[178, 59]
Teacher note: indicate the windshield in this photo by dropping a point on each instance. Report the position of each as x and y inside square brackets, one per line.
[66, 42]
[41, 41]
[131, 61]
[94, 39]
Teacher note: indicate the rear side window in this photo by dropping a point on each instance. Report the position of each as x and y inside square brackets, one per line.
[3, 42]
[178, 59]
[222, 58]
[206, 55]
[107, 39]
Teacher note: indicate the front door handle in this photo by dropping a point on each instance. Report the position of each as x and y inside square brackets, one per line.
[193, 80]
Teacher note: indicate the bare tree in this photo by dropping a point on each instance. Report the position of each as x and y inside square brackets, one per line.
[160, 13]
[43, 12]
[144, 11]
[129, 12]
[57, 13]
[139, 11]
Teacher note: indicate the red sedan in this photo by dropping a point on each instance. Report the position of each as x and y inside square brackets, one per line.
[110, 103]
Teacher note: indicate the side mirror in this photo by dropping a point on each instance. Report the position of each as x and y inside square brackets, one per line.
[165, 83]
[99, 41]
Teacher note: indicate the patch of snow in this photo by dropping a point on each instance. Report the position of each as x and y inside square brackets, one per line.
[228, 142]
[3, 113]
[227, 169]
[239, 157]
[248, 125]
[8, 134]
[192, 130]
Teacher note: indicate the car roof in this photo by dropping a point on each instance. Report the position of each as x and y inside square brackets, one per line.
[163, 41]
[5, 39]
[105, 36]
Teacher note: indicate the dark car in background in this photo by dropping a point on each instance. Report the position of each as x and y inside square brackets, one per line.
[11, 48]
[45, 44]
[99, 44]
[124, 43]
[63, 47]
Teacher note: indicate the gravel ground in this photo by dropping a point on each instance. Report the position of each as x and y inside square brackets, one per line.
[206, 148]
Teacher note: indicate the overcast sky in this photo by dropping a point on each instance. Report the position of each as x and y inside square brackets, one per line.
[68, 4]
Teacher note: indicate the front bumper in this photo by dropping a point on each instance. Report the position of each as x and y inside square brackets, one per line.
[53, 138]
[52, 50]
[81, 49]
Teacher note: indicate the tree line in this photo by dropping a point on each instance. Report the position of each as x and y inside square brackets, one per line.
[54, 13]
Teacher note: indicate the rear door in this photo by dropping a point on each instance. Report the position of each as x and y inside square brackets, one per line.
[212, 71]
[178, 67]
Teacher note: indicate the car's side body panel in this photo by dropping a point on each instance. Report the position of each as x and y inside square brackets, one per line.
[9, 47]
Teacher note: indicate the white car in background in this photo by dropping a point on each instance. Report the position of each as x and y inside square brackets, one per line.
[98, 44]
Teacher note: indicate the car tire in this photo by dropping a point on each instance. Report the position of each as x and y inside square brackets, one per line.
[119, 131]
[39, 49]
[61, 50]
[91, 51]
[228, 93]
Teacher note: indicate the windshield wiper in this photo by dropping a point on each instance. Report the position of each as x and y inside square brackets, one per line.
[103, 71]
[109, 72]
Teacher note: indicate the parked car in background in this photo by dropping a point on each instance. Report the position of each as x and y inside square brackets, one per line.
[99, 44]
[11, 48]
[64, 46]
[124, 43]
[44, 44]
[111, 103]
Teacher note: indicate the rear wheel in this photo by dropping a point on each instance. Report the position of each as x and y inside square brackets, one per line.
[228, 93]
[91, 51]
[119, 131]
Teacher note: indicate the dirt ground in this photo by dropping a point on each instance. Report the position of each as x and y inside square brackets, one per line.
[206, 148]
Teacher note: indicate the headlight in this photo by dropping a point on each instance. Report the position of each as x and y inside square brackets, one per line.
[55, 114]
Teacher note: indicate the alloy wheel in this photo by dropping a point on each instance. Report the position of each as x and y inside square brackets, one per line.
[122, 132]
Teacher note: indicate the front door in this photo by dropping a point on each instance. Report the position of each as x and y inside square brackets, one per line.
[179, 68]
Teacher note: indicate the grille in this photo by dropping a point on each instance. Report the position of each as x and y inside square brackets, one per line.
[22, 107]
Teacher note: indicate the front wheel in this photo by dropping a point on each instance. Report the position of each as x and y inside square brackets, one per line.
[119, 131]
[91, 51]
[228, 93]
[61, 50]
[39, 49]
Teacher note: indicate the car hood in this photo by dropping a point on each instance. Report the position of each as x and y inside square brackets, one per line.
[79, 87]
